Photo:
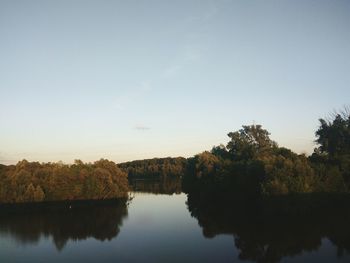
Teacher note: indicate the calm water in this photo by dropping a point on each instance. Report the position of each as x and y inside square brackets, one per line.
[160, 228]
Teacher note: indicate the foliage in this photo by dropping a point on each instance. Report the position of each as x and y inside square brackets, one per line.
[35, 182]
[332, 158]
[333, 136]
[169, 185]
[157, 168]
[249, 143]
[287, 172]
[251, 164]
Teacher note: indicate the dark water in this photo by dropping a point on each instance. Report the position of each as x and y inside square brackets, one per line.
[169, 228]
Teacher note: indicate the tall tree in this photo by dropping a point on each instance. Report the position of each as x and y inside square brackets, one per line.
[333, 135]
[333, 138]
[249, 142]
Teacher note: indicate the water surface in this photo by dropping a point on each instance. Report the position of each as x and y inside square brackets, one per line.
[162, 228]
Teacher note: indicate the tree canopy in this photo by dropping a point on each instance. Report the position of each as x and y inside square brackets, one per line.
[34, 182]
[249, 142]
[333, 136]
[252, 164]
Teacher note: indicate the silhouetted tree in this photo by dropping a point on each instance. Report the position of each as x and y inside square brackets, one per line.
[333, 135]
[331, 159]
[249, 142]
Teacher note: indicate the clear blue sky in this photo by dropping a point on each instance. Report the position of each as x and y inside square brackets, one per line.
[128, 80]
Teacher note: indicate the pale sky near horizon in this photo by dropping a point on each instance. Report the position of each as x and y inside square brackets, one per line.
[128, 80]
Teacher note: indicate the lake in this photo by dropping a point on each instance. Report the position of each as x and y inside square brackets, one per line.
[167, 228]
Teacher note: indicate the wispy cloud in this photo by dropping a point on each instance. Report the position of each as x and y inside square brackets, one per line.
[141, 128]
[191, 54]
[194, 53]
[195, 48]
[171, 71]
[206, 15]
[125, 100]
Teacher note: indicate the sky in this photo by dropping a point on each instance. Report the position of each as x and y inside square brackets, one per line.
[127, 80]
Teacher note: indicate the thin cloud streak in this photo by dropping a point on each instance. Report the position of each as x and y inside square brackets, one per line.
[129, 98]
[142, 128]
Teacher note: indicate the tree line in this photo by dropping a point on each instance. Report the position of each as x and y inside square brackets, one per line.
[155, 168]
[252, 164]
[157, 175]
[168, 186]
[41, 182]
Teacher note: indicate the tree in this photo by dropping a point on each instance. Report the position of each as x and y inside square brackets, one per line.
[29, 193]
[39, 194]
[250, 142]
[287, 172]
[333, 135]
[220, 151]
[333, 138]
[35, 182]
[206, 164]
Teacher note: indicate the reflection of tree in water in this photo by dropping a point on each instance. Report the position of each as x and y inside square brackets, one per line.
[168, 185]
[269, 231]
[101, 222]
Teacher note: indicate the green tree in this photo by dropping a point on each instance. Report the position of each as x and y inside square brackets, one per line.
[287, 172]
[333, 138]
[35, 182]
[333, 135]
[206, 164]
[250, 142]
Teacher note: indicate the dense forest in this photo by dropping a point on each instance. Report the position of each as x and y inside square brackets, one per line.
[37, 182]
[157, 175]
[251, 164]
[274, 203]
[168, 186]
[155, 168]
